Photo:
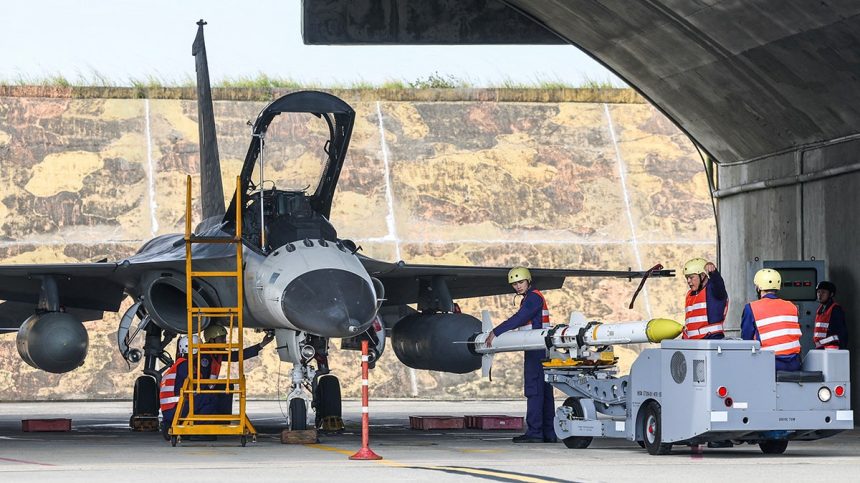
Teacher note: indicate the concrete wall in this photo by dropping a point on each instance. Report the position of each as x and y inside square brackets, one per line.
[816, 219]
[477, 177]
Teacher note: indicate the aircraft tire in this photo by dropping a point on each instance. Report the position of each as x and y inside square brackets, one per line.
[773, 446]
[298, 415]
[328, 399]
[652, 430]
[576, 442]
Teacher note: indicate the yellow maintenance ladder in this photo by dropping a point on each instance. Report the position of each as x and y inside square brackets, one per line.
[213, 424]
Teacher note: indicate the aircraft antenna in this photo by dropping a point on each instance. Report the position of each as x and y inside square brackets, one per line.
[262, 137]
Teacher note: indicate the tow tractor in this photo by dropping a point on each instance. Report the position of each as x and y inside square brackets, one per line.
[686, 392]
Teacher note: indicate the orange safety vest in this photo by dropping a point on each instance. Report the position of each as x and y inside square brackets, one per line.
[696, 324]
[822, 323]
[215, 366]
[777, 325]
[168, 393]
[545, 322]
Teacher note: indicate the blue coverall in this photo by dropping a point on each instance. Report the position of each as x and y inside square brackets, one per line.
[749, 331]
[540, 408]
[717, 298]
[219, 403]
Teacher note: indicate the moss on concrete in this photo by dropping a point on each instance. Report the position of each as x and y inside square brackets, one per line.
[598, 95]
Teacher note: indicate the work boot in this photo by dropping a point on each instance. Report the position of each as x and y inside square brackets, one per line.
[550, 439]
[527, 439]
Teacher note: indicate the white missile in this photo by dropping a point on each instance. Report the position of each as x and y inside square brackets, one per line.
[576, 337]
[569, 336]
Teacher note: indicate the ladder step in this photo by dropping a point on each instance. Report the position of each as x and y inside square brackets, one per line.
[220, 382]
[212, 239]
[242, 429]
[211, 417]
[196, 273]
[218, 391]
[221, 349]
[214, 310]
[215, 352]
[216, 315]
[217, 345]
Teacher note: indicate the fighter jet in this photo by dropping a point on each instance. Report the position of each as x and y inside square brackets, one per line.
[301, 278]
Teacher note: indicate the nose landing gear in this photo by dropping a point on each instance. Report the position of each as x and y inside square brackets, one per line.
[312, 384]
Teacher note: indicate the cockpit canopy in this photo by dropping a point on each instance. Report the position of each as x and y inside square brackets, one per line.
[294, 155]
[291, 170]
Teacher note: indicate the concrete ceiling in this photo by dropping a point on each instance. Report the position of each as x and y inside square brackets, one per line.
[745, 79]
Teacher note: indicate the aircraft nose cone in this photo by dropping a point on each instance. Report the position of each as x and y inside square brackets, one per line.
[329, 302]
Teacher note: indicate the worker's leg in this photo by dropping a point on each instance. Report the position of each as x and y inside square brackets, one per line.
[206, 404]
[533, 379]
[548, 414]
[534, 416]
[166, 421]
[787, 363]
[225, 404]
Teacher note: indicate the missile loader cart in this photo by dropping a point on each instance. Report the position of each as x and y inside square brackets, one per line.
[690, 392]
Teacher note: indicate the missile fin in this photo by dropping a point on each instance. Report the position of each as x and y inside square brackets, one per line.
[487, 365]
[577, 319]
[486, 322]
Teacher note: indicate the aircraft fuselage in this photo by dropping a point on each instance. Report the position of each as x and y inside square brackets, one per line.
[314, 286]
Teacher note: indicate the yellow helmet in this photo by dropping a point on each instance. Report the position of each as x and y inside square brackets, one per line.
[767, 279]
[519, 273]
[214, 331]
[695, 266]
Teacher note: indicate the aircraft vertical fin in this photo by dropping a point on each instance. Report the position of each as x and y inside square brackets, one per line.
[211, 188]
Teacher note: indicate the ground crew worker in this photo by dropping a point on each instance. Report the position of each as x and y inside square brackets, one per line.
[707, 301]
[171, 384]
[532, 314]
[210, 368]
[773, 321]
[830, 330]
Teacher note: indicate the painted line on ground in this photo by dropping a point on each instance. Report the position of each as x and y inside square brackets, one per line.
[491, 474]
[13, 460]
[484, 473]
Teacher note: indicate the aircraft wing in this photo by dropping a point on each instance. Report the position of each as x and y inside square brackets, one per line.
[94, 286]
[102, 285]
[13, 314]
[405, 283]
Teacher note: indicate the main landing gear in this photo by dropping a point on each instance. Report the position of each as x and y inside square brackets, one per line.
[145, 403]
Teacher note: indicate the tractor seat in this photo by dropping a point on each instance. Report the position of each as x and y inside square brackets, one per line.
[799, 376]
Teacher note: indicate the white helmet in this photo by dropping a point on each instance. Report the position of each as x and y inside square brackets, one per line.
[182, 344]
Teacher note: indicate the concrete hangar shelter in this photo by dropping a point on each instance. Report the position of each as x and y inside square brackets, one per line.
[768, 90]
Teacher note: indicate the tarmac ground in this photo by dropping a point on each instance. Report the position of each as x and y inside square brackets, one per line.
[101, 448]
